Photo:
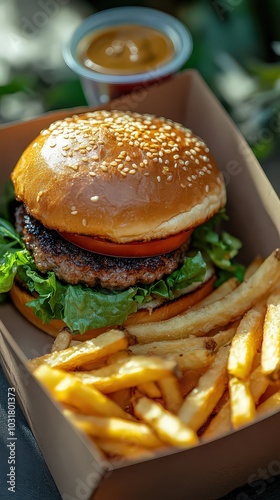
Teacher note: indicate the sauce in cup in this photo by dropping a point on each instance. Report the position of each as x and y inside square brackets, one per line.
[125, 50]
[119, 50]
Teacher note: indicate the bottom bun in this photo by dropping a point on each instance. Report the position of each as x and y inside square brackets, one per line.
[21, 297]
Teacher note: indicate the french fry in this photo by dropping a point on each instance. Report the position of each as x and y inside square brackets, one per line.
[252, 268]
[171, 393]
[269, 405]
[150, 389]
[130, 372]
[62, 341]
[270, 357]
[197, 358]
[121, 448]
[258, 383]
[221, 423]
[86, 352]
[217, 314]
[123, 398]
[246, 343]
[224, 337]
[220, 292]
[271, 389]
[76, 342]
[242, 403]
[175, 347]
[167, 426]
[66, 388]
[117, 356]
[115, 429]
[189, 380]
[198, 405]
[190, 353]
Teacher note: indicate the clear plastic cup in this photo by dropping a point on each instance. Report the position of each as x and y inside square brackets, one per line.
[98, 87]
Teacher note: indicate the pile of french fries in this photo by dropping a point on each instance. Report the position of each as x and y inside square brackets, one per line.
[177, 382]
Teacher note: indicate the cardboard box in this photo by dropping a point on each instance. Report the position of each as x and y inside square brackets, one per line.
[209, 470]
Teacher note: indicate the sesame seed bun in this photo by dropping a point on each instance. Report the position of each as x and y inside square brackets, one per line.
[121, 176]
[20, 297]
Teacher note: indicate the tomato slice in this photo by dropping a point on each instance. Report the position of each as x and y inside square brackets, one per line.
[134, 249]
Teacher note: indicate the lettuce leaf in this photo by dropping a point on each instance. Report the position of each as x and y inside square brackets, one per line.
[10, 241]
[221, 248]
[87, 308]
[192, 271]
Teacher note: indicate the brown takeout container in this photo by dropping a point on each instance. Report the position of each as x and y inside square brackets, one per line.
[209, 470]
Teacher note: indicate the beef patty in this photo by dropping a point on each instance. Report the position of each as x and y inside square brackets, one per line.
[75, 265]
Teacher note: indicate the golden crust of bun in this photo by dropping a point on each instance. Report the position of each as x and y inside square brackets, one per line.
[20, 297]
[120, 176]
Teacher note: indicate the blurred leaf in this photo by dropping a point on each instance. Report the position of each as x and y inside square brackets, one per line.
[263, 149]
[20, 83]
[268, 74]
[65, 95]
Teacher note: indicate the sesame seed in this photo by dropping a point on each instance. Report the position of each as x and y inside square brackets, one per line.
[52, 144]
[183, 186]
[128, 158]
[132, 171]
[84, 222]
[158, 178]
[123, 173]
[93, 174]
[194, 177]
[39, 195]
[146, 174]
[169, 178]
[94, 198]
[207, 188]
[104, 168]
[74, 212]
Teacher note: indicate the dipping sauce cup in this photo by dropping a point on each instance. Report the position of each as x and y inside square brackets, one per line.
[118, 50]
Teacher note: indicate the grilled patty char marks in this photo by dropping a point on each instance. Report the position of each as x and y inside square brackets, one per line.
[75, 265]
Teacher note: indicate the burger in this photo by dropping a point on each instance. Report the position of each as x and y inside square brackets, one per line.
[115, 224]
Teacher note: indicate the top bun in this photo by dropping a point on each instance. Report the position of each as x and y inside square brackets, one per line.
[120, 176]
